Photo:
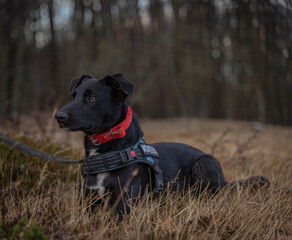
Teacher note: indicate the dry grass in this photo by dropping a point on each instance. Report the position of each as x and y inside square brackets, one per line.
[47, 193]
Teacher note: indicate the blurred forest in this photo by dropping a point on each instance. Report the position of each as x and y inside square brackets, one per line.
[205, 58]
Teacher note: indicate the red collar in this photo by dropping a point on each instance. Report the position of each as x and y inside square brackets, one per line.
[118, 131]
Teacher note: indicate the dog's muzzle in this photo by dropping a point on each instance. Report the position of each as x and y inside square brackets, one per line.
[61, 116]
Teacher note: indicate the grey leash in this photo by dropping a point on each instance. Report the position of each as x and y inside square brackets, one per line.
[35, 153]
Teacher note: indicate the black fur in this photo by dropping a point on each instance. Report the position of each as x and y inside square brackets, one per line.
[182, 165]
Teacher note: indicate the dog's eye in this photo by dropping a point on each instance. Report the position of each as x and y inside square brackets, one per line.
[73, 96]
[91, 98]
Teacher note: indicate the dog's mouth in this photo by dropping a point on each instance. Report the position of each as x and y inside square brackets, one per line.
[88, 128]
[91, 129]
[61, 125]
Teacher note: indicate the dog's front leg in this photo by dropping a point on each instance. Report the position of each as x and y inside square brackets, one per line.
[94, 187]
[127, 196]
[90, 199]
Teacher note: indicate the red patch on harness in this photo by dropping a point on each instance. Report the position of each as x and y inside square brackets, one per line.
[133, 154]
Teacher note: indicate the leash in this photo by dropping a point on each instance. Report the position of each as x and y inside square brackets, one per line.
[35, 153]
[139, 153]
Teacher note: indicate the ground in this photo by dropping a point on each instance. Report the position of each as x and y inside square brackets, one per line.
[41, 200]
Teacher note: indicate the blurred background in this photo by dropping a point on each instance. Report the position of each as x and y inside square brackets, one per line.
[226, 59]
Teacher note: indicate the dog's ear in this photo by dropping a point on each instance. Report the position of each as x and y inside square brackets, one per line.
[77, 81]
[120, 87]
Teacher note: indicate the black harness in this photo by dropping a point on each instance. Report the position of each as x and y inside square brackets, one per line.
[139, 153]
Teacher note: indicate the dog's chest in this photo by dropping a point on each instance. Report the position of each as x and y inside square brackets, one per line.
[97, 182]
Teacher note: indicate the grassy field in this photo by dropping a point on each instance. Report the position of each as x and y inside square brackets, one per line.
[41, 200]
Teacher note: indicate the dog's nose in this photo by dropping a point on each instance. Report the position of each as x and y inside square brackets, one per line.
[61, 116]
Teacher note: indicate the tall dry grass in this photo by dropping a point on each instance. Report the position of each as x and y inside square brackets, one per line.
[48, 193]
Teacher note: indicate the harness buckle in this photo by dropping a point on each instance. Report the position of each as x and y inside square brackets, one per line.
[124, 156]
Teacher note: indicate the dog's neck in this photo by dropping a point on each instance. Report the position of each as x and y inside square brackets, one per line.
[133, 134]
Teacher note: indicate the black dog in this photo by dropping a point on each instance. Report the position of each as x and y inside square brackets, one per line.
[99, 107]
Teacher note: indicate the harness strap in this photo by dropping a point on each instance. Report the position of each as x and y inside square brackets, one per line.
[139, 153]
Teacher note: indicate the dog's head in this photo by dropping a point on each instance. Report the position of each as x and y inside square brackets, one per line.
[96, 104]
